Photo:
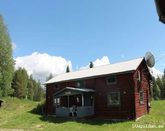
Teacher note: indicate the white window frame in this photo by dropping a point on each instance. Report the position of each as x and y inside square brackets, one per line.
[141, 97]
[57, 101]
[110, 101]
[80, 84]
[138, 76]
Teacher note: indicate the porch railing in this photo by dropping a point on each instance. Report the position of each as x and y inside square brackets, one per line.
[82, 111]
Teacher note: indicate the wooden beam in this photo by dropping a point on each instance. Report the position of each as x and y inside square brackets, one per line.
[82, 99]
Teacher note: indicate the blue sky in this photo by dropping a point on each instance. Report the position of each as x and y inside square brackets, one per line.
[84, 30]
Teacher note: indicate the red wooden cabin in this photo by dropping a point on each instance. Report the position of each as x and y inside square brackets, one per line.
[114, 91]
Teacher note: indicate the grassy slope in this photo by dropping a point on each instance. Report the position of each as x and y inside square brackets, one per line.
[16, 114]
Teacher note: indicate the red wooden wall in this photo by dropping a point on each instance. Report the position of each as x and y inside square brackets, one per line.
[127, 84]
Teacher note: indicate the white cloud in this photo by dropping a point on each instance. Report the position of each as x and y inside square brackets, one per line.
[103, 61]
[98, 62]
[40, 65]
[155, 72]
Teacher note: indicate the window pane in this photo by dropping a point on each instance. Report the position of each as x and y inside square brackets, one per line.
[56, 101]
[111, 80]
[141, 97]
[80, 84]
[114, 98]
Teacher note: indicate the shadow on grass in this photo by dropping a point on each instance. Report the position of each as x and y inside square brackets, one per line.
[39, 110]
[90, 121]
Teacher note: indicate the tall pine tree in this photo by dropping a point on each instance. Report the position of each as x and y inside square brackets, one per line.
[6, 61]
[163, 87]
[49, 77]
[91, 65]
[159, 82]
[38, 91]
[30, 88]
[67, 69]
[156, 90]
[20, 82]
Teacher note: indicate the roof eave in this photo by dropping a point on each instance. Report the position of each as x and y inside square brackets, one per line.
[74, 89]
[118, 73]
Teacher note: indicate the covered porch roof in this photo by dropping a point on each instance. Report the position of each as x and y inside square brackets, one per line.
[67, 91]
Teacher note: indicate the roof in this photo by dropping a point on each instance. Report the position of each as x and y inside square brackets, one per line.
[120, 67]
[72, 91]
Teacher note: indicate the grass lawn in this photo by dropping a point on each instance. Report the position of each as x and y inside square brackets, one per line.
[16, 114]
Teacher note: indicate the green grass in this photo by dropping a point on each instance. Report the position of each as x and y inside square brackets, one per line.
[17, 114]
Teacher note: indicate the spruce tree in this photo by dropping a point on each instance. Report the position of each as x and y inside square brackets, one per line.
[38, 91]
[30, 88]
[67, 69]
[49, 77]
[91, 65]
[156, 90]
[20, 82]
[26, 87]
[163, 87]
[159, 82]
[6, 61]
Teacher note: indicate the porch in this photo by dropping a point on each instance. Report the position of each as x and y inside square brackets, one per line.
[76, 102]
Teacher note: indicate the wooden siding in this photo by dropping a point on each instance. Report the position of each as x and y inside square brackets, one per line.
[128, 86]
[142, 85]
[124, 85]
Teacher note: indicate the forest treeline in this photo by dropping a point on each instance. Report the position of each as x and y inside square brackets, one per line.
[158, 87]
[13, 82]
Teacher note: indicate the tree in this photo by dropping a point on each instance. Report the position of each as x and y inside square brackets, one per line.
[156, 90]
[30, 88]
[163, 87]
[38, 91]
[67, 69]
[26, 87]
[35, 90]
[49, 77]
[160, 82]
[91, 65]
[6, 61]
[20, 82]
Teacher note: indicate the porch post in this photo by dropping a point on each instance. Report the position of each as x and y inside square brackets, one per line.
[82, 99]
[68, 101]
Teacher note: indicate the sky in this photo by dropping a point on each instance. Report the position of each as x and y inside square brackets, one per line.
[48, 35]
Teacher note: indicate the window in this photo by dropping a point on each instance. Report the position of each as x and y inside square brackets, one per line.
[78, 99]
[57, 101]
[111, 80]
[113, 99]
[80, 84]
[138, 76]
[141, 97]
[56, 86]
